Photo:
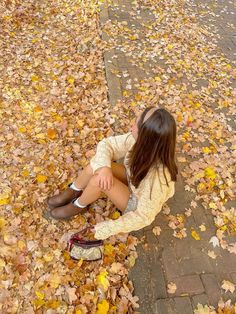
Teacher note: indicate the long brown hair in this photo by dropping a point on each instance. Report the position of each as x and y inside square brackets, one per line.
[155, 145]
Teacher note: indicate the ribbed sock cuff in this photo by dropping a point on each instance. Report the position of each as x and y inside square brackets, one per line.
[76, 202]
[72, 186]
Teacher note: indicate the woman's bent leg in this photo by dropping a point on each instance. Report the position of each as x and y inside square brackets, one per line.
[119, 193]
[86, 174]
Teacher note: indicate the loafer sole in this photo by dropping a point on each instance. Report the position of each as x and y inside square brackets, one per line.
[47, 215]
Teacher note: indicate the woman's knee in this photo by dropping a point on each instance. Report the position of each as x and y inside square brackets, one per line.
[119, 172]
[88, 169]
[94, 181]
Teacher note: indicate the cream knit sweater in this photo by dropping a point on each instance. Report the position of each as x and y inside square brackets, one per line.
[116, 147]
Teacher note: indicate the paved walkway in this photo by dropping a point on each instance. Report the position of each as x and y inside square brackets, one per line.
[165, 258]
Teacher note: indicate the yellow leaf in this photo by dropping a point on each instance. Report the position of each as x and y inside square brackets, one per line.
[170, 47]
[108, 249]
[115, 215]
[69, 90]
[210, 173]
[143, 88]
[71, 80]
[51, 133]
[206, 150]
[53, 304]
[41, 178]
[223, 228]
[40, 135]
[2, 222]
[4, 201]
[80, 123]
[34, 40]
[197, 105]
[80, 262]
[78, 312]
[39, 87]
[131, 260]
[157, 78]
[190, 119]
[25, 173]
[66, 255]
[186, 135]
[212, 205]
[34, 78]
[39, 295]
[100, 136]
[57, 117]
[21, 245]
[133, 37]
[22, 129]
[195, 235]
[102, 280]
[103, 307]
[38, 303]
[7, 17]
[114, 116]
[48, 257]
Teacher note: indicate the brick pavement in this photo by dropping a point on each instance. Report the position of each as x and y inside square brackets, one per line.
[165, 258]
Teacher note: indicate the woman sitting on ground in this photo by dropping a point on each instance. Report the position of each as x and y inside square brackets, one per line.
[138, 188]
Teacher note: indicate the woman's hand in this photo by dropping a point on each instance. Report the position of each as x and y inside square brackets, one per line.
[104, 178]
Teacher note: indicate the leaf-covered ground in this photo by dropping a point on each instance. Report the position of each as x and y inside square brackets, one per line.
[54, 110]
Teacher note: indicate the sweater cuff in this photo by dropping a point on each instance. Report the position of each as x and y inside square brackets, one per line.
[102, 231]
[96, 166]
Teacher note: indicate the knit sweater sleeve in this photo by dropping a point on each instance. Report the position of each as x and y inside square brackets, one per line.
[144, 215]
[111, 148]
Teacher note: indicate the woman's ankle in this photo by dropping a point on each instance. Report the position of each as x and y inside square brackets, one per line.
[75, 187]
[77, 203]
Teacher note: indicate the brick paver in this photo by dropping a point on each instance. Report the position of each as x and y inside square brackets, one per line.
[166, 259]
[211, 287]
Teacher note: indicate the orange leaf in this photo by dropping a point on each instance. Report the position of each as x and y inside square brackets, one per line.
[52, 134]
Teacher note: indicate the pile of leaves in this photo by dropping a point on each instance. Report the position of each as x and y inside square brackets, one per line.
[54, 110]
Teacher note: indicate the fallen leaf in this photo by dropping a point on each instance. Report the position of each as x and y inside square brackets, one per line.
[171, 287]
[215, 241]
[195, 235]
[103, 307]
[41, 178]
[202, 227]
[156, 230]
[211, 254]
[228, 286]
